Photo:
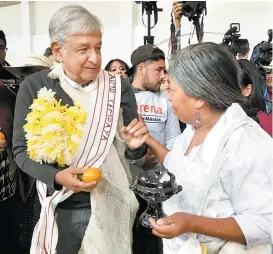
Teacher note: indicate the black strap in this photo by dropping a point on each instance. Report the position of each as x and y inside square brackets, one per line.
[173, 37]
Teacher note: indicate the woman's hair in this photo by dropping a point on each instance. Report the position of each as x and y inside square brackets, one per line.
[108, 66]
[3, 37]
[250, 75]
[210, 72]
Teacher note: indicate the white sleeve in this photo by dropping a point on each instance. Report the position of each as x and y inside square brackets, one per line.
[247, 180]
[172, 128]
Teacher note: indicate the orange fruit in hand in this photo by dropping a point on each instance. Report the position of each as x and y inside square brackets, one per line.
[2, 136]
[91, 175]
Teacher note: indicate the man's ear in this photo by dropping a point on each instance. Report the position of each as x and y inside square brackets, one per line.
[56, 50]
[247, 91]
[141, 69]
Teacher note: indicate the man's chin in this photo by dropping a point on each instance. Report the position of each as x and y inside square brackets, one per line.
[91, 76]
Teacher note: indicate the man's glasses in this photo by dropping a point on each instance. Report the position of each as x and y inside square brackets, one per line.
[3, 48]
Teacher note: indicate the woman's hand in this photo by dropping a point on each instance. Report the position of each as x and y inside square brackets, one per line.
[173, 226]
[180, 223]
[135, 134]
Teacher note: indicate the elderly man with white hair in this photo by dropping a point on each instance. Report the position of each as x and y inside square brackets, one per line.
[78, 216]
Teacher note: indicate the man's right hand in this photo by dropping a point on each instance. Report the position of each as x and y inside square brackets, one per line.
[177, 11]
[150, 160]
[68, 178]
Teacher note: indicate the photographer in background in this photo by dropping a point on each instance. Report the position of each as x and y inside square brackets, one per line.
[177, 13]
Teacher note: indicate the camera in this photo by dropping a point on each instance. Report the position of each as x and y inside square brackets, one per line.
[262, 53]
[193, 11]
[193, 8]
[233, 42]
[147, 4]
[150, 7]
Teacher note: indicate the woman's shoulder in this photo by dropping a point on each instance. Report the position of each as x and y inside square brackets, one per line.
[248, 147]
[251, 136]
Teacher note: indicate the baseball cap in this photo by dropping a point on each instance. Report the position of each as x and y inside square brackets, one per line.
[144, 53]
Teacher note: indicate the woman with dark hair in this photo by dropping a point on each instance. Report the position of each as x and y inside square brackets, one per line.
[252, 88]
[226, 202]
[252, 84]
[117, 66]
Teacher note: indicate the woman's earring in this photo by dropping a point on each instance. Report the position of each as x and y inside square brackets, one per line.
[197, 118]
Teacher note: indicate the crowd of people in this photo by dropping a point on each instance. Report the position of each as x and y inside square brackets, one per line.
[207, 119]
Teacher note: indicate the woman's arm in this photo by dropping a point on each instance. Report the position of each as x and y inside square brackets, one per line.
[157, 149]
[223, 228]
[180, 223]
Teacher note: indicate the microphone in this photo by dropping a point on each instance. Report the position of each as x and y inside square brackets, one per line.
[231, 30]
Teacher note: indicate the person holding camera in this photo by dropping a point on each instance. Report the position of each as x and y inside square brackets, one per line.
[177, 13]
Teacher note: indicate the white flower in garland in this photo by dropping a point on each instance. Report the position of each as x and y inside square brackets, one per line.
[53, 131]
[56, 72]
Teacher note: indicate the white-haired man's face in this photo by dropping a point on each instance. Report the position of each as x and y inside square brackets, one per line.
[80, 56]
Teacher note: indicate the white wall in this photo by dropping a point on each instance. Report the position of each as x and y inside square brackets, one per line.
[122, 25]
[255, 18]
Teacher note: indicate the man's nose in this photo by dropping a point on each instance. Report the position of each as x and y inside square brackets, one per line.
[93, 57]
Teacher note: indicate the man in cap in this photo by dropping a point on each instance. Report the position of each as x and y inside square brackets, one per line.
[148, 70]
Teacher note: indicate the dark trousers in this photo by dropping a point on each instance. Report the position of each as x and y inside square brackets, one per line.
[10, 225]
[144, 242]
[71, 226]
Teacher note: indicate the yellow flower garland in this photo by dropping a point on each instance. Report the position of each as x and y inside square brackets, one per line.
[53, 131]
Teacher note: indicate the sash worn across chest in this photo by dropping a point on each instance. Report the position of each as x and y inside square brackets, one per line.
[102, 117]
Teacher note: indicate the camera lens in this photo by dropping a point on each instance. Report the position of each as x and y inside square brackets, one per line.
[187, 10]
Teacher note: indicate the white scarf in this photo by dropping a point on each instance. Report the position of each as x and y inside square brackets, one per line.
[98, 136]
